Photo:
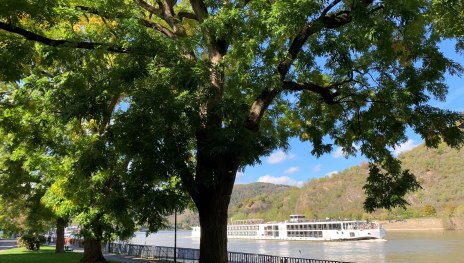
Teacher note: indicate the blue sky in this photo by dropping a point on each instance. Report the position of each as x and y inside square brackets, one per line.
[297, 165]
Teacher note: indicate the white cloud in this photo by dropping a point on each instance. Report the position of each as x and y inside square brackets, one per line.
[332, 173]
[317, 168]
[280, 180]
[292, 170]
[338, 153]
[404, 147]
[279, 156]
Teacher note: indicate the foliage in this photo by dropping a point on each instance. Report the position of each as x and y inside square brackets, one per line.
[199, 90]
[57, 163]
[429, 210]
[31, 241]
[23, 177]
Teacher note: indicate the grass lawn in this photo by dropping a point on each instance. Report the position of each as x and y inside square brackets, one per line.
[46, 254]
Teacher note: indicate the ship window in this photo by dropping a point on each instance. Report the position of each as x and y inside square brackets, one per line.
[351, 234]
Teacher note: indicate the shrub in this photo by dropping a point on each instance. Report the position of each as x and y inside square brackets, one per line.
[429, 210]
[31, 241]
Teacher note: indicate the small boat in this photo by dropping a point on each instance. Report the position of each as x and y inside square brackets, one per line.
[298, 228]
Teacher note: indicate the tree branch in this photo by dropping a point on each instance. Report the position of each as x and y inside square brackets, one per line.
[188, 15]
[142, 21]
[332, 20]
[329, 7]
[296, 46]
[325, 20]
[60, 42]
[326, 92]
[111, 106]
[165, 11]
[200, 10]
[157, 27]
[149, 7]
[258, 108]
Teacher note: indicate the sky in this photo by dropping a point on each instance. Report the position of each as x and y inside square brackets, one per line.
[297, 166]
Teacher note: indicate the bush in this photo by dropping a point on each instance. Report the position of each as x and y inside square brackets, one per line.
[429, 210]
[31, 241]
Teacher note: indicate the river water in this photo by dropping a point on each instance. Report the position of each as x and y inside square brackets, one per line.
[399, 247]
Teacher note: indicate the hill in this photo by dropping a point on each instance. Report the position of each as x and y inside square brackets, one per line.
[440, 172]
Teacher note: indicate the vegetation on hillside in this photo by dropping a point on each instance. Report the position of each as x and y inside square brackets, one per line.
[341, 195]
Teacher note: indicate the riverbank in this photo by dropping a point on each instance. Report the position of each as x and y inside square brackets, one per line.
[420, 224]
[413, 224]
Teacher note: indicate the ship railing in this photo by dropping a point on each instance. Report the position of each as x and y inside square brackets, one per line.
[247, 222]
[191, 255]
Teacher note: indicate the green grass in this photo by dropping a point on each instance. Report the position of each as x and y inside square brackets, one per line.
[46, 254]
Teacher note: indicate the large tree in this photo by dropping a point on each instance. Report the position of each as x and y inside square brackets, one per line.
[57, 154]
[211, 86]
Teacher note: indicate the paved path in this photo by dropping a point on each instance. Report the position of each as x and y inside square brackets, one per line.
[119, 258]
[7, 243]
[125, 259]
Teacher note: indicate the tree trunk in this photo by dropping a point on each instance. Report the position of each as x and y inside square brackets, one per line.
[92, 251]
[59, 242]
[213, 223]
[215, 177]
[92, 246]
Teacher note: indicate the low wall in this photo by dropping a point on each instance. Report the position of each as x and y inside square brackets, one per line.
[413, 224]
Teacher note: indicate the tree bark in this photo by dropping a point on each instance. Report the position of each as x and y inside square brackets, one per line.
[213, 223]
[93, 248]
[215, 177]
[59, 242]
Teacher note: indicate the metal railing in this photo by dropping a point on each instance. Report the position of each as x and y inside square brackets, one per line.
[191, 255]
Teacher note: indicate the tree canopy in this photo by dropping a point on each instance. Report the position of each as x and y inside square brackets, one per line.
[200, 89]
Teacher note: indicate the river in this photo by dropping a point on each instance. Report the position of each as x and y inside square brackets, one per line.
[399, 247]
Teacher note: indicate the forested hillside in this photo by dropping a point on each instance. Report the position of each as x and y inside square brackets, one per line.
[440, 172]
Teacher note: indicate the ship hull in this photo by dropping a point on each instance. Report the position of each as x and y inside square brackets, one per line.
[305, 231]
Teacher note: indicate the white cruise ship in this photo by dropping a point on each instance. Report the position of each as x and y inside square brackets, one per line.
[297, 228]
